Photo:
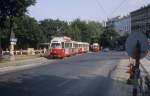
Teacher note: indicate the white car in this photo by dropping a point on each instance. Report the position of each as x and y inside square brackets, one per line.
[106, 49]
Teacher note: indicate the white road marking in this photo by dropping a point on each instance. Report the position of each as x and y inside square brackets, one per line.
[63, 83]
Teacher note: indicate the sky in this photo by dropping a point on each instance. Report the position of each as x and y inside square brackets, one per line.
[97, 10]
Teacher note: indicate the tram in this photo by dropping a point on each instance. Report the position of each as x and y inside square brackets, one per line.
[61, 47]
[95, 47]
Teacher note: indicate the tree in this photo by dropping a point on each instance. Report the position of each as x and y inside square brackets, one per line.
[28, 32]
[109, 38]
[9, 9]
[13, 8]
[122, 39]
[87, 31]
[76, 34]
[52, 28]
[77, 30]
[95, 29]
[4, 35]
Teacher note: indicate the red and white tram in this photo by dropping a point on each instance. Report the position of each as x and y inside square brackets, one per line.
[95, 47]
[61, 47]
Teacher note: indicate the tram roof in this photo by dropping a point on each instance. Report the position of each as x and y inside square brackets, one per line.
[61, 38]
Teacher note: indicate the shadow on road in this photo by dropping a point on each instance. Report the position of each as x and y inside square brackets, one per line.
[57, 86]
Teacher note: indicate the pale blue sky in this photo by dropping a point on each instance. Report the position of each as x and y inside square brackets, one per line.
[84, 9]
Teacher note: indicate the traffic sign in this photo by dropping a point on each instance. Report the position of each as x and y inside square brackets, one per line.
[13, 39]
[132, 41]
[13, 43]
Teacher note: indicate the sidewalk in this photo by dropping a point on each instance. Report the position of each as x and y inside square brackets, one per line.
[18, 60]
[6, 58]
[22, 62]
[121, 76]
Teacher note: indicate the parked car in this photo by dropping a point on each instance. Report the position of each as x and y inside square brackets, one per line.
[106, 49]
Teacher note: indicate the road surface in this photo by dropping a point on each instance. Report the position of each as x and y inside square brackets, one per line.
[84, 75]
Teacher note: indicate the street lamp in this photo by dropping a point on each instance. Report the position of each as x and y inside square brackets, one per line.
[13, 41]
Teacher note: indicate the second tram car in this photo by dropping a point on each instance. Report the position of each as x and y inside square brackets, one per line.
[95, 47]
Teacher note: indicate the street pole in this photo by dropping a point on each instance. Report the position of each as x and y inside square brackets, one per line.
[138, 51]
[137, 48]
[12, 36]
[13, 40]
[136, 68]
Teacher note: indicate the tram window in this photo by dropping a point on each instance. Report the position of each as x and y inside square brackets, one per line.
[63, 45]
[66, 45]
[74, 45]
[77, 45]
[70, 45]
[55, 45]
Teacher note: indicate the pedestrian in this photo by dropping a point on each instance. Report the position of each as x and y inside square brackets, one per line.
[44, 50]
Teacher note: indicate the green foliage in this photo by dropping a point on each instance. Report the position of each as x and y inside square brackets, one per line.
[77, 30]
[28, 32]
[109, 38]
[95, 30]
[86, 31]
[52, 28]
[122, 39]
[4, 35]
[9, 10]
[13, 8]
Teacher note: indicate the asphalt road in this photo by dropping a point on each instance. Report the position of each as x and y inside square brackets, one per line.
[83, 75]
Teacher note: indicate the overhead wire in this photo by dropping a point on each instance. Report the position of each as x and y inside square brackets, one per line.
[101, 7]
[118, 7]
[146, 1]
[111, 13]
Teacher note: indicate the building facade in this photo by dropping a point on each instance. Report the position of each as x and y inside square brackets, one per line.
[123, 25]
[103, 23]
[140, 20]
[120, 24]
[111, 21]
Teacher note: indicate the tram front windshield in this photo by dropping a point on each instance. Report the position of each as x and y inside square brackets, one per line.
[95, 46]
[55, 45]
